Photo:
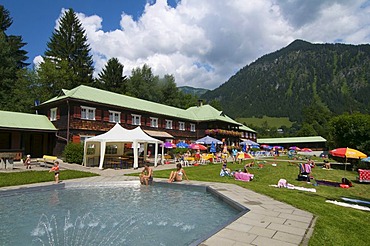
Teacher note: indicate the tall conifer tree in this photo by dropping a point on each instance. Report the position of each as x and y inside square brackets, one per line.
[12, 59]
[69, 44]
[111, 77]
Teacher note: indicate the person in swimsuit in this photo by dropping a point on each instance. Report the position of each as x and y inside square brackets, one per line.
[178, 174]
[27, 162]
[55, 169]
[146, 175]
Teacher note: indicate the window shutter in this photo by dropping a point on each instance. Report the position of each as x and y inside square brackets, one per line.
[148, 121]
[48, 113]
[98, 114]
[129, 119]
[77, 112]
[106, 116]
[76, 139]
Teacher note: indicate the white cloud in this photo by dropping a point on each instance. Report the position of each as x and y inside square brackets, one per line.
[203, 43]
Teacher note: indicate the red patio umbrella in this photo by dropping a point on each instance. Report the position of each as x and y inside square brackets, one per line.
[248, 156]
[306, 150]
[197, 146]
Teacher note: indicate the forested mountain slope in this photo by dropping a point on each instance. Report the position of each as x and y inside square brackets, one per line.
[282, 83]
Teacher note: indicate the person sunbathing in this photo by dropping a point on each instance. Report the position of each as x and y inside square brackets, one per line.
[178, 174]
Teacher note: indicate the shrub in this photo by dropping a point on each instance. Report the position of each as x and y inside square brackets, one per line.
[73, 153]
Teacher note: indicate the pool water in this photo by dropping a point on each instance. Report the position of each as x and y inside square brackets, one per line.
[113, 214]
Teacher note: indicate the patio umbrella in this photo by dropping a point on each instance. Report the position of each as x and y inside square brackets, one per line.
[265, 146]
[306, 150]
[213, 148]
[244, 148]
[248, 156]
[197, 146]
[249, 142]
[295, 148]
[208, 140]
[182, 145]
[367, 159]
[169, 145]
[347, 153]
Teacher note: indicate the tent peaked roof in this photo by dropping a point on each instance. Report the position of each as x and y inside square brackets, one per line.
[119, 134]
[208, 140]
[139, 135]
[116, 134]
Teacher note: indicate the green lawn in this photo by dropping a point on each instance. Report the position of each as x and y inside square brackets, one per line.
[30, 177]
[335, 225]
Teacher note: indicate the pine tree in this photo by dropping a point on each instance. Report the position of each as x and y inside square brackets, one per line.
[69, 43]
[111, 78]
[12, 59]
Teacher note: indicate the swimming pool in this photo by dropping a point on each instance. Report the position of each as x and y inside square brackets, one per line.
[122, 213]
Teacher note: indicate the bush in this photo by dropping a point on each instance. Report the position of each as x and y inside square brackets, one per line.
[73, 153]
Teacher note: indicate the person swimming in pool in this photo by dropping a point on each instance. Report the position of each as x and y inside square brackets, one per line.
[178, 174]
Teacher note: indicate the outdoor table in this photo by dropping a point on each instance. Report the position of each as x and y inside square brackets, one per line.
[124, 160]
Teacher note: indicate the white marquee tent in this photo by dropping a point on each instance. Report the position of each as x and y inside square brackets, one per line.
[119, 135]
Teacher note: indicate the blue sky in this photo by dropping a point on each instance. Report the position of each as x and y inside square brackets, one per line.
[201, 42]
[35, 20]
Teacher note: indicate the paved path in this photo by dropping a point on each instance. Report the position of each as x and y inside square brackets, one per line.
[269, 222]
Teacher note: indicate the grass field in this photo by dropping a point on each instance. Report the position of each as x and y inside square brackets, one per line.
[30, 177]
[335, 225]
[271, 121]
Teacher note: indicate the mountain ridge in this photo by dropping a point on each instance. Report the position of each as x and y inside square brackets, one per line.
[284, 82]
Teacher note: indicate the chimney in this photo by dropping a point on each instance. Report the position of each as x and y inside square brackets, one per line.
[200, 102]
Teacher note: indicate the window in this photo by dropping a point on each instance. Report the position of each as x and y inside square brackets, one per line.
[168, 124]
[84, 137]
[90, 149]
[111, 149]
[154, 122]
[87, 113]
[192, 127]
[114, 116]
[182, 126]
[53, 114]
[136, 120]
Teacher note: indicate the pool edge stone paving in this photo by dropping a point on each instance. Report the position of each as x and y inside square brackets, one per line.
[268, 221]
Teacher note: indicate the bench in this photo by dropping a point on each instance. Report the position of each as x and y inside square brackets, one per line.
[46, 159]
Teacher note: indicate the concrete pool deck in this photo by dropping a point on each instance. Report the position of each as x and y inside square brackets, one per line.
[269, 222]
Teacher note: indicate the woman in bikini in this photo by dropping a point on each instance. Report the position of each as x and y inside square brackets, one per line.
[177, 175]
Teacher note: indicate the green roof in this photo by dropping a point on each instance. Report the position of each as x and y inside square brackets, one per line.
[86, 93]
[313, 139]
[25, 121]
[209, 113]
[246, 128]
